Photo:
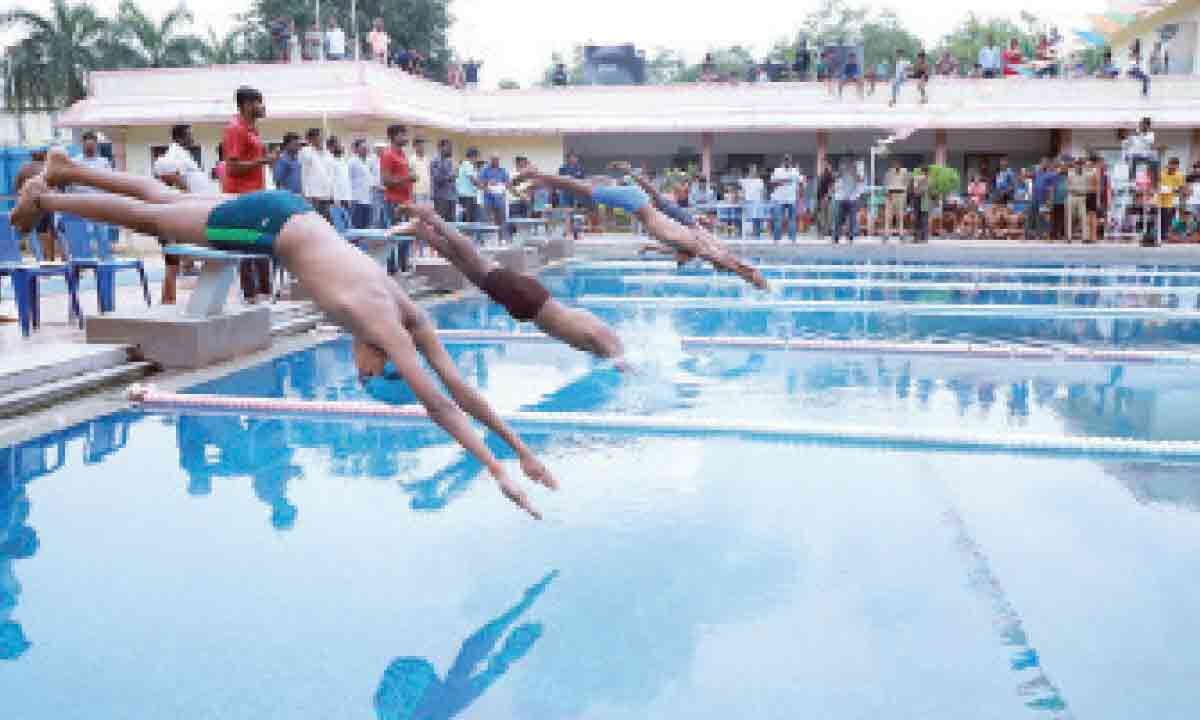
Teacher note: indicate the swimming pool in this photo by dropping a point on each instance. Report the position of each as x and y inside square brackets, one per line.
[223, 566]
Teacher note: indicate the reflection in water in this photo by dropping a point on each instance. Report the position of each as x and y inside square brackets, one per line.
[411, 689]
[20, 465]
[1159, 483]
[589, 392]
[213, 446]
[1042, 694]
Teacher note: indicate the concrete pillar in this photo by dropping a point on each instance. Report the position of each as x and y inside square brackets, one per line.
[706, 155]
[822, 151]
[120, 154]
[1062, 142]
[940, 154]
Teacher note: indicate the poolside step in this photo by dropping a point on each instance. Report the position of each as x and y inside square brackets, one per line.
[293, 318]
[35, 365]
[47, 393]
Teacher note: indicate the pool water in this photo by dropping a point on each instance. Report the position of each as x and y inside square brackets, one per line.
[209, 566]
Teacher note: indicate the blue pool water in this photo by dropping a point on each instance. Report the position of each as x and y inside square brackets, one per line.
[242, 567]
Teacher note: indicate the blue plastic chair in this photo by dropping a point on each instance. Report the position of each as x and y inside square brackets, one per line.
[89, 247]
[25, 276]
[340, 219]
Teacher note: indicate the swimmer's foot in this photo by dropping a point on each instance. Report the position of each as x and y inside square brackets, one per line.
[58, 165]
[28, 210]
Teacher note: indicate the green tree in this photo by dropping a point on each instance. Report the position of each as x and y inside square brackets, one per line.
[836, 22]
[574, 67]
[66, 41]
[972, 34]
[833, 22]
[226, 50]
[156, 44]
[665, 66]
[509, 84]
[26, 83]
[421, 25]
[883, 36]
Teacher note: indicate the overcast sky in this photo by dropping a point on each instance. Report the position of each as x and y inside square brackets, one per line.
[515, 39]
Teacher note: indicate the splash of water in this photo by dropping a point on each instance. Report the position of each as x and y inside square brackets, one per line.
[655, 356]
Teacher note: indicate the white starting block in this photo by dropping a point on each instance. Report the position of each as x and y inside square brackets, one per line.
[377, 243]
[527, 229]
[477, 231]
[199, 333]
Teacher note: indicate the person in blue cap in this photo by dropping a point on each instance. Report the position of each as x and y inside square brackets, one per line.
[686, 242]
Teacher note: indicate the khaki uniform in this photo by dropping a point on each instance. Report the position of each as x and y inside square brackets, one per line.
[896, 184]
[1077, 191]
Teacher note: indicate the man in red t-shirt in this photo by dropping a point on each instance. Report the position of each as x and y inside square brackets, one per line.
[245, 160]
[397, 178]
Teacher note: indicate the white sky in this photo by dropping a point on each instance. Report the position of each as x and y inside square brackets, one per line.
[515, 39]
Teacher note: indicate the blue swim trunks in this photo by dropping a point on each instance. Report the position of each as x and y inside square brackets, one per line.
[627, 197]
[250, 222]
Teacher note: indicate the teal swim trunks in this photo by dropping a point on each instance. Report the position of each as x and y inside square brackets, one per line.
[627, 197]
[249, 223]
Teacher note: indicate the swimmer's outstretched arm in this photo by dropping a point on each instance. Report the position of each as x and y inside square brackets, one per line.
[446, 240]
[424, 335]
[559, 182]
[401, 349]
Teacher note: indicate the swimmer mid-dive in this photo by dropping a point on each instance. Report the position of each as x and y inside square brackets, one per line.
[388, 328]
[524, 297]
[684, 241]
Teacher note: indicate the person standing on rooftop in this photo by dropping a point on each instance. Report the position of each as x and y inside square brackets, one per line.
[990, 59]
[335, 41]
[378, 40]
[1012, 58]
[471, 74]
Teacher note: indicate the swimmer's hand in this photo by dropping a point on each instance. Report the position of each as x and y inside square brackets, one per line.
[404, 228]
[423, 211]
[537, 472]
[529, 173]
[513, 492]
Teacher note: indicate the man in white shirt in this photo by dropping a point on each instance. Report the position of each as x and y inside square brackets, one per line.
[379, 206]
[92, 158]
[315, 175]
[178, 168]
[340, 172]
[335, 41]
[989, 59]
[753, 198]
[786, 183]
[419, 164]
[360, 185]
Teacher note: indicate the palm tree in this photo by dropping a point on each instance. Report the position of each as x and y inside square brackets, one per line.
[66, 39]
[155, 45]
[26, 85]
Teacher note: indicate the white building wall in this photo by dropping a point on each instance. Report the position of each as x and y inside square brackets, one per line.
[39, 129]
